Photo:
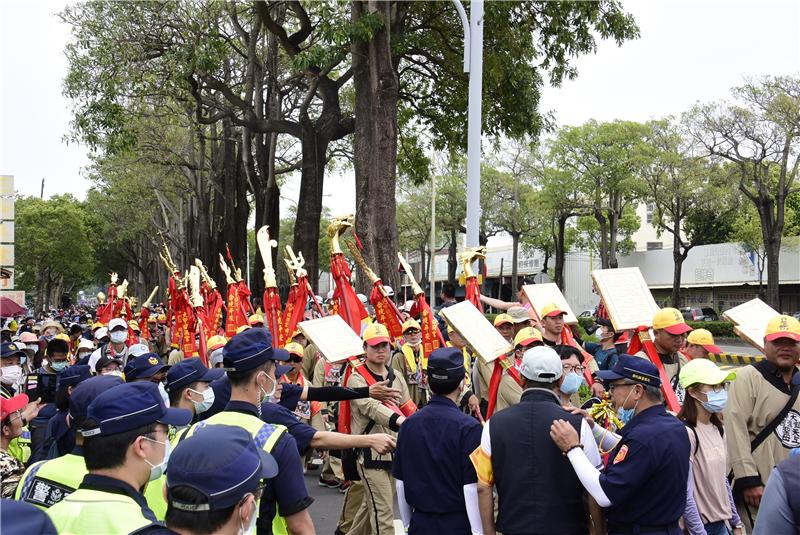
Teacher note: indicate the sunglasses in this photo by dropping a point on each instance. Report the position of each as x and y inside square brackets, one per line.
[295, 359]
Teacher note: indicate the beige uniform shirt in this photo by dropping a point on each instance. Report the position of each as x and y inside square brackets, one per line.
[753, 402]
[483, 373]
[508, 393]
[310, 357]
[364, 410]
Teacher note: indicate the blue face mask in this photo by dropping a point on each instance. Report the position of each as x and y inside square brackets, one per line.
[625, 415]
[58, 366]
[572, 382]
[716, 401]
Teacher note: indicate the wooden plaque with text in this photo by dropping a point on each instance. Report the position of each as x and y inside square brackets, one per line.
[479, 333]
[626, 297]
[541, 294]
[333, 337]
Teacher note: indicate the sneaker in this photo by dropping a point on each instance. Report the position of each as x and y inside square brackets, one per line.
[329, 483]
[344, 486]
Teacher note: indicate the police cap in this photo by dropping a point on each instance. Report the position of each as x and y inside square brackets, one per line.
[86, 392]
[634, 368]
[190, 371]
[143, 366]
[72, 375]
[222, 475]
[9, 349]
[126, 407]
[446, 363]
[247, 350]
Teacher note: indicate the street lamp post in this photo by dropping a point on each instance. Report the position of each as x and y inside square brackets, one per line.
[473, 64]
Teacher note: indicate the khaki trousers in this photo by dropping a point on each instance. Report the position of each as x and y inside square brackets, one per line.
[352, 501]
[375, 516]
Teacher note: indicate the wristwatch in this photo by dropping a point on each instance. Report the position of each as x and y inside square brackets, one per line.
[740, 525]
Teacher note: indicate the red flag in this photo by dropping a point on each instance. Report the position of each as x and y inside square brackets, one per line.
[299, 302]
[385, 310]
[500, 363]
[473, 293]
[236, 315]
[287, 313]
[349, 306]
[641, 341]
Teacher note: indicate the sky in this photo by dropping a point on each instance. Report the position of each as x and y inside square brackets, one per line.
[688, 51]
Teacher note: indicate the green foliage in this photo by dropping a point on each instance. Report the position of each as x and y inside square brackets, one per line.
[54, 240]
[721, 329]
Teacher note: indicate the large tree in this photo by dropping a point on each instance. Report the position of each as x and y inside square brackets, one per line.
[759, 132]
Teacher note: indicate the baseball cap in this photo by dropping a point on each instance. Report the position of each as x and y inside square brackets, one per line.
[101, 333]
[552, 309]
[411, 323]
[446, 363]
[222, 475]
[143, 366]
[9, 349]
[703, 337]
[293, 348]
[782, 327]
[541, 363]
[134, 325]
[376, 333]
[131, 405]
[247, 350]
[87, 391]
[216, 342]
[104, 361]
[255, 319]
[190, 371]
[96, 325]
[527, 336]
[518, 314]
[633, 368]
[501, 319]
[671, 320]
[280, 355]
[85, 344]
[73, 375]
[138, 349]
[116, 323]
[11, 405]
[703, 371]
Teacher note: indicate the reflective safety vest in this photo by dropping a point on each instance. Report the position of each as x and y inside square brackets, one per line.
[87, 511]
[48, 482]
[264, 435]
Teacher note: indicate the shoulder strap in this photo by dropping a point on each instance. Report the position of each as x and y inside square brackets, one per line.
[762, 436]
[696, 437]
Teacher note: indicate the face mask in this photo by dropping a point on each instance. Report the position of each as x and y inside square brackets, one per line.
[33, 347]
[11, 374]
[83, 326]
[572, 382]
[208, 400]
[626, 415]
[118, 336]
[117, 373]
[157, 470]
[58, 366]
[251, 526]
[49, 336]
[163, 392]
[271, 393]
[716, 401]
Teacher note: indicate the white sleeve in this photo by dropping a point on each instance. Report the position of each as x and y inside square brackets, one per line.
[606, 440]
[589, 476]
[405, 509]
[486, 442]
[589, 446]
[473, 512]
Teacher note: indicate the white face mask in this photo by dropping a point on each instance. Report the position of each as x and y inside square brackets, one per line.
[116, 373]
[11, 374]
[157, 470]
[268, 395]
[118, 336]
[208, 400]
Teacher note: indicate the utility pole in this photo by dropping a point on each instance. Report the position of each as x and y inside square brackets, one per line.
[432, 277]
[41, 192]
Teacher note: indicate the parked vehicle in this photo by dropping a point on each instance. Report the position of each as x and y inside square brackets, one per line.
[699, 314]
[586, 314]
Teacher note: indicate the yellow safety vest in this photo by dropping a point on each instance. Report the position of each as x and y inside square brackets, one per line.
[94, 512]
[264, 435]
[46, 483]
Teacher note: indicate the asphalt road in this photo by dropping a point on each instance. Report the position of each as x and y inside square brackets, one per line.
[739, 349]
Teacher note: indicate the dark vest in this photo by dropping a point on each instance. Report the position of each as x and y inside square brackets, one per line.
[538, 491]
[790, 472]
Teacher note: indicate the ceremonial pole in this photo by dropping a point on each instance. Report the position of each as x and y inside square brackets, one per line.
[432, 277]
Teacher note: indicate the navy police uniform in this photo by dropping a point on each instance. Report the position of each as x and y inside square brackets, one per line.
[646, 475]
[432, 456]
[59, 437]
[104, 504]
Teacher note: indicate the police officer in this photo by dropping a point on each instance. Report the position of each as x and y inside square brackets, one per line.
[125, 445]
[46, 483]
[216, 490]
[432, 457]
[60, 436]
[248, 357]
[644, 484]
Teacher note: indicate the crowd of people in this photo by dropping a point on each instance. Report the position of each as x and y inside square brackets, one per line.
[105, 430]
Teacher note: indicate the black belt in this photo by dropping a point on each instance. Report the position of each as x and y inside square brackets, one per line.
[639, 528]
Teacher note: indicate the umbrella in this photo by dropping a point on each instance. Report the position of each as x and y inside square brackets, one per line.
[9, 308]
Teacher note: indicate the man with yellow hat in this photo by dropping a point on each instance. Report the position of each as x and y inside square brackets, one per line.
[214, 347]
[762, 417]
[669, 333]
[376, 512]
[699, 344]
[505, 326]
[409, 361]
[552, 322]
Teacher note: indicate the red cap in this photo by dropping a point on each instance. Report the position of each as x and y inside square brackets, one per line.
[12, 405]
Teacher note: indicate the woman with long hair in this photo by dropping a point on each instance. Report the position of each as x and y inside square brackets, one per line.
[709, 502]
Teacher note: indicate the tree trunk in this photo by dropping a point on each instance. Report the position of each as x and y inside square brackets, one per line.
[612, 239]
[560, 253]
[603, 249]
[309, 205]
[452, 261]
[375, 144]
[773, 250]
[514, 258]
[678, 256]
